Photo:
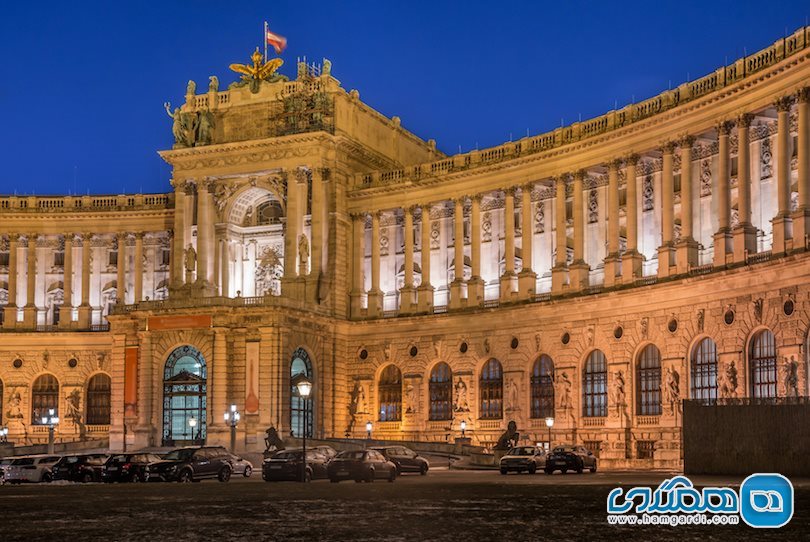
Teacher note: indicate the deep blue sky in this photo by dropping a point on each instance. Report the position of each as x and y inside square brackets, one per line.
[82, 83]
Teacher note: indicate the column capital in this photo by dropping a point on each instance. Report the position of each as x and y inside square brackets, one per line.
[87, 237]
[803, 95]
[476, 197]
[122, 235]
[632, 159]
[686, 142]
[69, 238]
[189, 187]
[668, 147]
[32, 237]
[580, 174]
[783, 103]
[409, 209]
[13, 237]
[744, 120]
[509, 191]
[138, 235]
[528, 186]
[724, 127]
[615, 164]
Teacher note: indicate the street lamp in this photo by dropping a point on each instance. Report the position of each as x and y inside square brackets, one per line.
[232, 417]
[304, 389]
[192, 422]
[549, 424]
[51, 420]
[368, 430]
[463, 427]
[4, 435]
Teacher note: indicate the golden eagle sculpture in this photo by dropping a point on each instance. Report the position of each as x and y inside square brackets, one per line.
[253, 74]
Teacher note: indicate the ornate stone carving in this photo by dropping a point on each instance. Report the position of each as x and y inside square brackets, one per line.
[647, 195]
[593, 206]
[790, 373]
[728, 381]
[758, 305]
[672, 390]
[512, 396]
[540, 217]
[705, 177]
[700, 317]
[618, 393]
[645, 324]
[765, 159]
[461, 403]
[564, 392]
[435, 234]
[486, 227]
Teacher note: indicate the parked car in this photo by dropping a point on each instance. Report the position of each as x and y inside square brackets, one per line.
[565, 458]
[326, 451]
[192, 464]
[79, 468]
[361, 466]
[34, 468]
[241, 466]
[128, 467]
[523, 458]
[4, 462]
[286, 465]
[405, 459]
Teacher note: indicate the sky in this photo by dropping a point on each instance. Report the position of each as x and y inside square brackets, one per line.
[82, 84]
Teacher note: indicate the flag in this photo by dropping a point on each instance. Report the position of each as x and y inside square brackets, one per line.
[279, 43]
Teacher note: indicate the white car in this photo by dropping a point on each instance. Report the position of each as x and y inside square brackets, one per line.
[33, 468]
[5, 462]
[241, 466]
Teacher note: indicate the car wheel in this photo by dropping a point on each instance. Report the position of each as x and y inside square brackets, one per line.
[532, 468]
[247, 472]
[87, 477]
[224, 474]
[549, 471]
[564, 471]
[135, 478]
[185, 477]
[423, 469]
[580, 468]
[504, 471]
[307, 476]
[392, 476]
[593, 469]
[370, 476]
[47, 478]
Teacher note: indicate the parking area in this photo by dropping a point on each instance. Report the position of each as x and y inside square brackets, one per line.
[444, 505]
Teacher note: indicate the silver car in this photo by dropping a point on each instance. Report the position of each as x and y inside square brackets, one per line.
[523, 458]
[33, 468]
[241, 466]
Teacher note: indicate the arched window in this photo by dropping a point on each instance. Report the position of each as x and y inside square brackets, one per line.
[300, 366]
[491, 386]
[762, 360]
[184, 397]
[543, 388]
[594, 386]
[704, 371]
[390, 394]
[441, 392]
[648, 382]
[98, 400]
[44, 396]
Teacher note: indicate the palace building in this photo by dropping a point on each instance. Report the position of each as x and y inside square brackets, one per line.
[609, 269]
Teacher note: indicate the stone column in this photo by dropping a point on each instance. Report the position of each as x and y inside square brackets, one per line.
[722, 237]
[801, 218]
[66, 316]
[632, 259]
[457, 287]
[666, 252]
[527, 279]
[559, 273]
[319, 238]
[375, 295]
[205, 238]
[407, 292]
[10, 310]
[612, 258]
[507, 279]
[85, 311]
[291, 234]
[225, 271]
[30, 309]
[744, 234]
[686, 250]
[782, 223]
[475, 286]
[425, 290]
[580, 270]
[219, 379]
[121, 268]
[138, 268]
[179, 246]
[359, 256]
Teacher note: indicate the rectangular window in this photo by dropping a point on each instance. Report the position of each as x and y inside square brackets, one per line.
[3, 259]
[58, 259]
[113, 258]
[165, 257]
[645, 449]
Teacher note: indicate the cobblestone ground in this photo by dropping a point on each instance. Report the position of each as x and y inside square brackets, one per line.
[448, 505]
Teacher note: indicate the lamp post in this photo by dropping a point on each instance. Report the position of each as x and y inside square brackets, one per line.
[304, 389]
[368, 430]
[232, 417]
[51, 420]
[549, 424]
[463, 427]
[192, 422]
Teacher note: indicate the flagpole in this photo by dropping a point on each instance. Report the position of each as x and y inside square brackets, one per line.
[264, 39]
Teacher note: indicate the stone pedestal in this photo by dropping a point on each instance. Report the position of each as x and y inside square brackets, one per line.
[475, 291]
[203, 288]
[632, 261]
[666, 259]
[507, 287]
[141, 437]
[527, 284]
[407, 299]
[801, 228]
[425, 295]
[85, 317]
[29, 317]
[559, 279]
[10, 317]
[611, 267]
[456, 294]
[744, 241]
[580, 275]
[686, 255]
[722, 246]
[356, 301]
[782, 231]
[375, 303]
[65, 322]
[311, 285]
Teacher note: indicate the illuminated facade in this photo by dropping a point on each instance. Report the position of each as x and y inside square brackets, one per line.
[308, 233]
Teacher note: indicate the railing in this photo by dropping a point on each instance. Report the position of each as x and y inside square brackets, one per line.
[647, 420]
[100, 327]
[488, 425]
[645, 281]
[758, 257]
[388, 426]
[701, 269]
[391, 314]
[593, 422]
[37, 204]
[491, 303]
[440, 425]
[46, 327]
[95, 429]
[748, 401]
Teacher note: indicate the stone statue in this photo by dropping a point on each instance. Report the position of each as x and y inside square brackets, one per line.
[537, 342]
[758, 306]
[618, 392]
[565, 392]
[272, 441]
[73, 402]
[191, 88]
[728, 385]
[303, 249]
[184, 127]
[645, 322]
[701, 316]
[486, 345]
[509, 438]
[672, 389]
[791, 371]
[326, 69]
[213, 83]
[461, 397]
[14, 408]
[191, 259]
[410, 397]
[512, 395]
[589, 335]
[205, 131]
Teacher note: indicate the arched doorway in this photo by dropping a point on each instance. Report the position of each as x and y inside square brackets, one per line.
[300, 365]
[44, 397]
[184, 397]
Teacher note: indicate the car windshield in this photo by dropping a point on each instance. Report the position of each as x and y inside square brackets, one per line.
[522, 450]
[351, 455]
[179, 455]
[287, 455]
[563, 449]
[119, 459]
[23, 461]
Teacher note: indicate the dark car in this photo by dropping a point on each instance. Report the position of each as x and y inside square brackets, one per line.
[79, 468]
[523, 458]
[565, 458]
[128, 467]
[286, 465]
[192, 464]
[326, 451]
[361, 466]
[405, 459]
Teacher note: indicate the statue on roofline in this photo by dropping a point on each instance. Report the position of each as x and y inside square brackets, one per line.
[260, 70]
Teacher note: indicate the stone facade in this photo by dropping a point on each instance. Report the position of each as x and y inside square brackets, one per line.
[307, 230]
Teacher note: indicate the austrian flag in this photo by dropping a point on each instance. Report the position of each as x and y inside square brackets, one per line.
[279, 43]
